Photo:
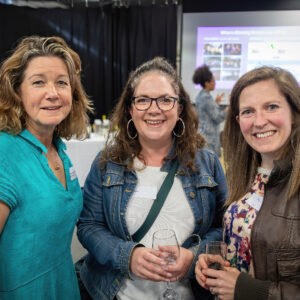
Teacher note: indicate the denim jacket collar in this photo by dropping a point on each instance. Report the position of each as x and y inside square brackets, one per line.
[120, 167]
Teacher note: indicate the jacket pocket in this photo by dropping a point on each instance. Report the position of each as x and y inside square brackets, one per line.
[288, 265]
[111, 179]
[205, 181]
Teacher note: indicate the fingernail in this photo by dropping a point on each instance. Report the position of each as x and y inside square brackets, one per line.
[169, 275]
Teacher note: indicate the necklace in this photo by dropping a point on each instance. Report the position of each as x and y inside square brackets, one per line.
[57, 166]
[54, 159]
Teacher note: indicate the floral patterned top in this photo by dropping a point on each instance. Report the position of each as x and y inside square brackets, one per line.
[238, 222]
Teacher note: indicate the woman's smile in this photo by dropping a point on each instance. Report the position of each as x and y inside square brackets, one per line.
[263, 135]
[154, 122]
[265, 118]
[154, 126]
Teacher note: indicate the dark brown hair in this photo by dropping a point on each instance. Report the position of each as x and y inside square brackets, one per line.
[122, 149]
[202, 75]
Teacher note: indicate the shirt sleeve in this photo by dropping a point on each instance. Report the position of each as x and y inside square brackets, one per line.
[215, 112]
[248, 287]
[93, 229]
[8, 192]
[214, 233]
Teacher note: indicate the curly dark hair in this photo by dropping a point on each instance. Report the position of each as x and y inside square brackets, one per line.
[122, 149]
[202, 75]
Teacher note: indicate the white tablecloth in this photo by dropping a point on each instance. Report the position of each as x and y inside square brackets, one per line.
[82, 154]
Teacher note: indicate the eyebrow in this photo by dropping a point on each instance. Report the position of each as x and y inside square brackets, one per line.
[274, 101]
[163, 95]
[43, 75]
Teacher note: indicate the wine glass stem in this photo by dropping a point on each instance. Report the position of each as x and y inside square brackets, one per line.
[168, 285]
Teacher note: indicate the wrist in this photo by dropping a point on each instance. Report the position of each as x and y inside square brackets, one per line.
[136, 247]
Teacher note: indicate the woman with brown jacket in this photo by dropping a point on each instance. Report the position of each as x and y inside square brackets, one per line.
[262, 220]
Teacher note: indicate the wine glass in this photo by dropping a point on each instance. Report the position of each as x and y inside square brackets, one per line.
[217, 254]
[167, 237]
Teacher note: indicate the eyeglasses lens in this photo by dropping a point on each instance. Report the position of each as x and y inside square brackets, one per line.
[164, 103]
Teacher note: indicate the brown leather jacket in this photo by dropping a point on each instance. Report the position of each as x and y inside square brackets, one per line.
[275, 244]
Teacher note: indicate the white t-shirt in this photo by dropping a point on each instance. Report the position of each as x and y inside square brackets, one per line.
[175, 214]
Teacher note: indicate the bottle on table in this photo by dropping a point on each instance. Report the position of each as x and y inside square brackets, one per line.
[98, 127]
[105, 125]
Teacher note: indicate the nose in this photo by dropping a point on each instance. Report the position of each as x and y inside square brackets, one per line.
[51, 91]
[260, 119]
[153, 106]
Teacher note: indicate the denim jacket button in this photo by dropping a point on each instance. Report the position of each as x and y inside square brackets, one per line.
[192, 195]
[199, 221]
[128, 237]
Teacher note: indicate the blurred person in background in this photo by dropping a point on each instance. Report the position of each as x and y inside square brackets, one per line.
[210, 114]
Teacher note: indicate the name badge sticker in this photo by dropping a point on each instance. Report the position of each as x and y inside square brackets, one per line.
[148, 192]
[255, 201]
[73, 174]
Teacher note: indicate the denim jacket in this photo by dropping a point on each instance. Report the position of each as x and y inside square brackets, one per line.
[102, 227]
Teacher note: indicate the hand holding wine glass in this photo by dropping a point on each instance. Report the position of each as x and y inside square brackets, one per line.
[216, 255]
[167, 237]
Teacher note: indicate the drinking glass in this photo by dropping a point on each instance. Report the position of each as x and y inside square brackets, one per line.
[217, 254]
[167, 237]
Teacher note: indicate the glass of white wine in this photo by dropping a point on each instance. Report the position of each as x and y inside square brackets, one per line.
[217, 255]
[167, 237]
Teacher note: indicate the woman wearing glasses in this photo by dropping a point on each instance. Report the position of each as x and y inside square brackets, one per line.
[157, 128]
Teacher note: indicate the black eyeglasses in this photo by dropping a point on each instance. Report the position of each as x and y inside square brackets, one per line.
[164, 103]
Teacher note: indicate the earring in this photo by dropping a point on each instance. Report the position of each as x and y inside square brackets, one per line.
[130, 136]
[183, 129]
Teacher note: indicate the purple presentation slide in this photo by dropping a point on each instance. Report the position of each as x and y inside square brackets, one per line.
[232, 51]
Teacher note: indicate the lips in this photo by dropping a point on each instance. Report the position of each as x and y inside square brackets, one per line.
[262, 135]
[51, 108]
[154, 122]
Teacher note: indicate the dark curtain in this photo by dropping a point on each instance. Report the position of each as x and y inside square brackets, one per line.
[110, 41]
[190, 6]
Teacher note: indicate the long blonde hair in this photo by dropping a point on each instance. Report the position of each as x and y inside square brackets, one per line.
[12, 113]
[241, 161]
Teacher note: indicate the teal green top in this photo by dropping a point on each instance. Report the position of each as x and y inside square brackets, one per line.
[35, 256]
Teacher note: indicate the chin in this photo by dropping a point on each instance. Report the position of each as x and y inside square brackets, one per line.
[53, 122]
[155, 138]
[269, 151]
[50, 125]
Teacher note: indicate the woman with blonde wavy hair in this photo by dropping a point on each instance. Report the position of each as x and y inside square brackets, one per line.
[41, 101]
[157, 135]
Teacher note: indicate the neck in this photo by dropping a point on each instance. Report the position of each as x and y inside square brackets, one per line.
[154, 155]
[267, 162]
[45, 137]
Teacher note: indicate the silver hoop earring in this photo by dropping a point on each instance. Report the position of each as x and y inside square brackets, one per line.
[128, 132]
[183, 129]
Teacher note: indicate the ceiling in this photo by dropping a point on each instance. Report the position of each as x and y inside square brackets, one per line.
[85, 3]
